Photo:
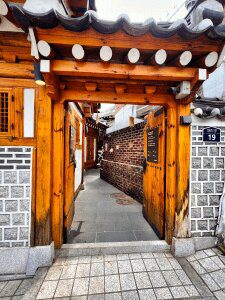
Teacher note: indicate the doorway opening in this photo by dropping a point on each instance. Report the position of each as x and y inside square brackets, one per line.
[110, 208]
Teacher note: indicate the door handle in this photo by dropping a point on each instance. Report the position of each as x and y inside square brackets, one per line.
[144, 165]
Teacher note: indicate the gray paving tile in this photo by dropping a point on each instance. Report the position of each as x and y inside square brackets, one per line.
[2, 284]
[171, 278]
[122, 256]
[124, 266]
[64, 288]
[83, 270]
[127, 282]
[97, 258]
[157, 279]
[112, 283]
[68, 272]
[218, 262]
[208, 264]
[147, 255]
[163, 293]
[113, 296]
[84, 259]
[132, 295]
[192, 291]
[97, 269]
[151, 264]
[219, 278]
[96, 285]
[147, 294]
[220, 295]
[135, 255]
[142, 280]
[54, 273]
[80, 286]
[111, 267]
[174, 263]
[179, 292]
[10, 288]
[47, 289]
[183, 277]
[110, 257]
[212, 285]
[24, 286]
[164, 263]
[96, 297]
[138, 265]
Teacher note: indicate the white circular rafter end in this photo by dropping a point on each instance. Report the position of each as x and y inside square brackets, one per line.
[78, 52]
[44, 48]
[133, 55]
[106, 53]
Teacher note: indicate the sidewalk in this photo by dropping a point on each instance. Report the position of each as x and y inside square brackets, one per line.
[126, 276]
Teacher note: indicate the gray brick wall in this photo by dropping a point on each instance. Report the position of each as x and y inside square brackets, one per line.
[15, 197]
[207, 178]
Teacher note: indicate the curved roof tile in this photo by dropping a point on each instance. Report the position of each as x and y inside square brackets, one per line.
[52, 18]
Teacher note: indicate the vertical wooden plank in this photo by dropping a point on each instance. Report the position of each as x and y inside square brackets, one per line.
[171, 158]
[183, 169]
[44, 164]
[33, 198]
[19, 112]
[58, 174]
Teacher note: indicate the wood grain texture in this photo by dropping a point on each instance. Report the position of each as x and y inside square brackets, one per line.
[44, 169]
[58, 174]
[154, 178]
[183, 169]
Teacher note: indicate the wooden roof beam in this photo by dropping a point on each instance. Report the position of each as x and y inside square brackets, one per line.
[122, 71]
[121, 98]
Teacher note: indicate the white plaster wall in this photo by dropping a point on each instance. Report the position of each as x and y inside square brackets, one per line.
[78, 157]
[78, 170]
[29, 95]
[214, 87]
[7, 26]
[122, 118]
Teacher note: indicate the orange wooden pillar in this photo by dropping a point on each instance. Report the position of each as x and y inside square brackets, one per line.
[171, 178]
[43, 169]
[183, 174]
[58, 174]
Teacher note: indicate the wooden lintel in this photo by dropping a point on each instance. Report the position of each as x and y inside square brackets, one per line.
[121, 40]
[90, 86]
[16, 82]
[16, 70]
[122, 71]
[123, 98]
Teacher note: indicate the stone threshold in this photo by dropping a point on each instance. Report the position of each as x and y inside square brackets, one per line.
[86, 249]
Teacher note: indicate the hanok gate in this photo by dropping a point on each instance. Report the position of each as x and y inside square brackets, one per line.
[87, 60]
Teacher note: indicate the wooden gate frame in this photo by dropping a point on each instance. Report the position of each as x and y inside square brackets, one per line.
[177, 170]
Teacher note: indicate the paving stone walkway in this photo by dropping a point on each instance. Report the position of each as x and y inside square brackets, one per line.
[125, 276]
[101, 217]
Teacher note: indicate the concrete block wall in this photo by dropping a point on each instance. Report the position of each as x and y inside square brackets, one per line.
[15, 196]
[207, 180]
[122, 160]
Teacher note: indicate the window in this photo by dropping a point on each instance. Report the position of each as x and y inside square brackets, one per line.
[72, 139]
[4, 112]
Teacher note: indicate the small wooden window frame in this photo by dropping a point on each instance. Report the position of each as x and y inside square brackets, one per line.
[11, 116]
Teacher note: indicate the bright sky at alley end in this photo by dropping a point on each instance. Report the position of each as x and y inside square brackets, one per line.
[140, 10]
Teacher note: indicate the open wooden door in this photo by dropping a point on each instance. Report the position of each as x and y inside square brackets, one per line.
[154, 171]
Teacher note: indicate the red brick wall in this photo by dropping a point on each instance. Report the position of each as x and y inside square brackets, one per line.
[122, 160]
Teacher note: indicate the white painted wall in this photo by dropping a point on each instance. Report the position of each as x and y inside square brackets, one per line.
[122, 118]
[78, 158]
[214, 87]
[7, 26]
[29, 95]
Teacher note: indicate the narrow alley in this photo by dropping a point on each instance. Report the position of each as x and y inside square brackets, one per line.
[105, 214]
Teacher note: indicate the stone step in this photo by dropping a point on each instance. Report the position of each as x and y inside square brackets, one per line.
[85, 249]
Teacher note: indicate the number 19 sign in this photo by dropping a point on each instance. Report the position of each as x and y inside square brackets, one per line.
[211, 134]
